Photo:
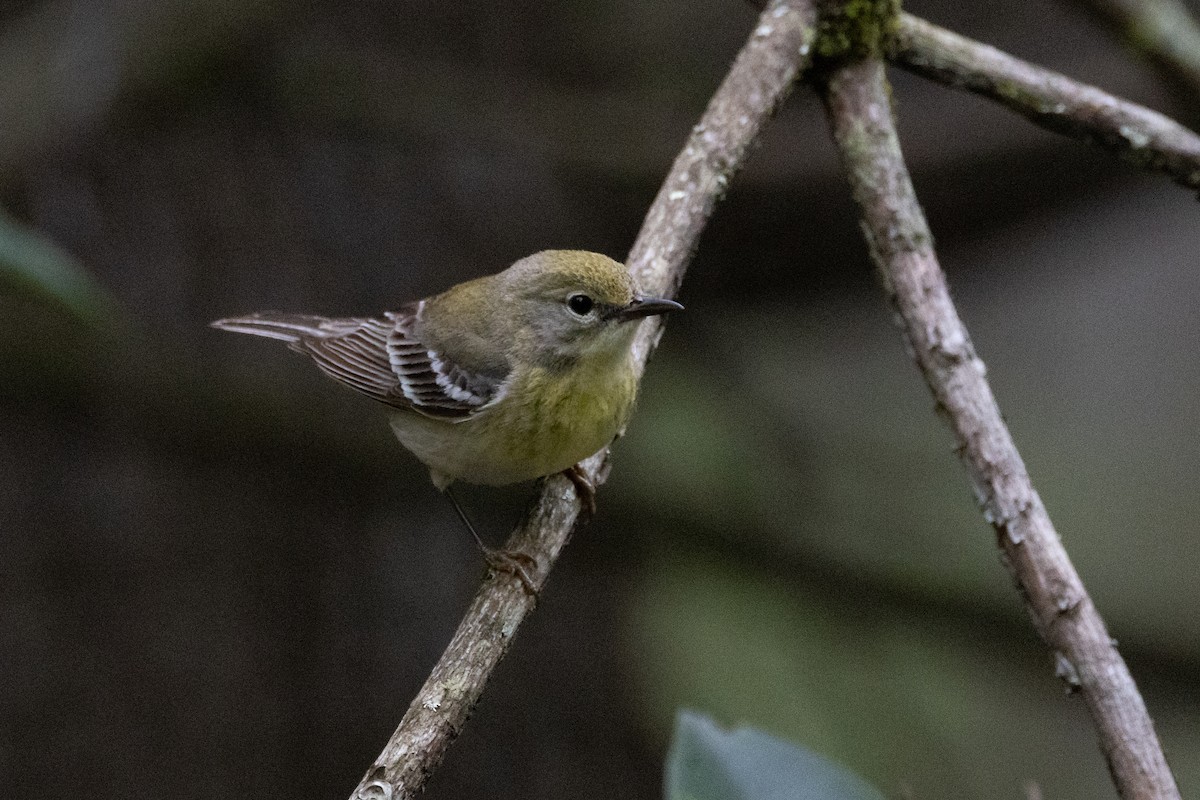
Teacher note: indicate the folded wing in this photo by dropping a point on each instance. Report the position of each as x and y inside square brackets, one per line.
[382, 358]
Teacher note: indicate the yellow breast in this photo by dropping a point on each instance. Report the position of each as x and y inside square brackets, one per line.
[546, 421]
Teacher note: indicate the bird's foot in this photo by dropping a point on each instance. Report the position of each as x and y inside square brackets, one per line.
[515, 563]
[585, 490]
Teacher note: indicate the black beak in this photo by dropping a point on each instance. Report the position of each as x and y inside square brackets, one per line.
[645, 307]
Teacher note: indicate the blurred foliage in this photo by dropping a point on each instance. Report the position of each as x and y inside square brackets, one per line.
[707, 763]
[32, 263]
[65, 65]
[924, 707]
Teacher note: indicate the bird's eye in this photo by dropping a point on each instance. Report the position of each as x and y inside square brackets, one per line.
[581, 304]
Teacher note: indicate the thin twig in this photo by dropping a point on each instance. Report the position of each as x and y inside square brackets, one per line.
[1163, 30]
[759, 79]
[857, 99]
[1138, 135]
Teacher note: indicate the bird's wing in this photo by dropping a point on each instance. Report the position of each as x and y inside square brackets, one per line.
[430, 380]
[382, 358]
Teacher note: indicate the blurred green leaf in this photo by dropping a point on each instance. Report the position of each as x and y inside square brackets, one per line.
[708, 763]
[918, 700]
[39, 267]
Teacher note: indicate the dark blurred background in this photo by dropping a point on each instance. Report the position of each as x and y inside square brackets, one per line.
[221, 577]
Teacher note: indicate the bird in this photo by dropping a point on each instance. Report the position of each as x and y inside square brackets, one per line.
[498, 380]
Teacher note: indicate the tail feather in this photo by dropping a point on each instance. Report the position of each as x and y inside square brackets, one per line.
[288, 327]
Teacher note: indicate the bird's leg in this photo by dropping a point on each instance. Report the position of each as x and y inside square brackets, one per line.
[585, 490]
[515, 563]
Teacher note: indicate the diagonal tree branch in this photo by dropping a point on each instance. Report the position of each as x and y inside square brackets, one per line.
[857, 99]
[759, 79]
[1138, 135]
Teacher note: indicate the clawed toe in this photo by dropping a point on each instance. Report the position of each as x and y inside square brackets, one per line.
[515, 563]
[511, 561]
[585, 490]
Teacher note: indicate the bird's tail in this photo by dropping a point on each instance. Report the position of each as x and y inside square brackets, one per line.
[288, 327]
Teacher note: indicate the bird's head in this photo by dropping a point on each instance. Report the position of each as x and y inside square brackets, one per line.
[576, 305]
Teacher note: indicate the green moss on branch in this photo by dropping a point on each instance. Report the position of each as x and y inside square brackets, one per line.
[856, 28]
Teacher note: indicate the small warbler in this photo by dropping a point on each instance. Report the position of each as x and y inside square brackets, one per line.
[498, 380]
